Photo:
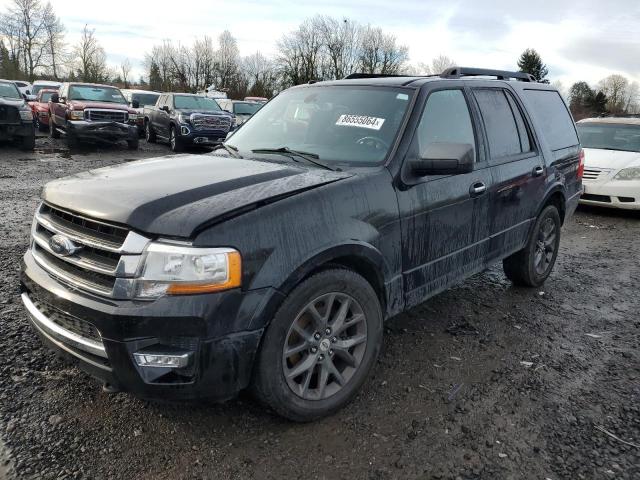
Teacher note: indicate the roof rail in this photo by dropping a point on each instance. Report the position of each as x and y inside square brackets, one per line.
[354, 76]
[459, 72]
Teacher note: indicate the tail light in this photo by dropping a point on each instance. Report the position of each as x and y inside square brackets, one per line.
[581, 165]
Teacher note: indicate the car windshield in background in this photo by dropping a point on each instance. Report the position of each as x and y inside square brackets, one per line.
[37, 88]
[9, 90]
[610, 136]
[248, 108]
[349, 125]
[95, 94]
[145, 99]
[194, 102]
[46, 97]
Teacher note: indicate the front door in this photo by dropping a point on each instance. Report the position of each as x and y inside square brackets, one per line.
[444, 218]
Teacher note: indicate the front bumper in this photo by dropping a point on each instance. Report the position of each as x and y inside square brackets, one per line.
[23, 129]
[219, 332]
[110, 131]
[188, 135]
[623, 194]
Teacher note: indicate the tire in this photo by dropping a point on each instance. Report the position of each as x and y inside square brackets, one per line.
[133, 143]
[42, 127]
[71, 139]
[174, 140]
[150, 133]
[351, 352]
[28, 142]
[53, 132]
[532, 265]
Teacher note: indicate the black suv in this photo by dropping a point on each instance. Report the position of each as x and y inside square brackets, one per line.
[273, 262]
[16, 118]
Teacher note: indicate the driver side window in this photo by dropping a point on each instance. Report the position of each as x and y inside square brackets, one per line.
[445, 119]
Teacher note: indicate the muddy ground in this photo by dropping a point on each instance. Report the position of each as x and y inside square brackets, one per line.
[485, 381]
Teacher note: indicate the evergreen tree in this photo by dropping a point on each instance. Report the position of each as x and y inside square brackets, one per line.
[155, 79]
[599, 103]
[530, 62]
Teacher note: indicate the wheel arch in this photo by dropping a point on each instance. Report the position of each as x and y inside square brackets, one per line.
[555, 196]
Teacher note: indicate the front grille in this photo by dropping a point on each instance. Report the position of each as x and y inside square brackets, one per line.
[596, 198]
[9, 114]
[106, 115]
[67, 321]
[210, 122]
[104, 257]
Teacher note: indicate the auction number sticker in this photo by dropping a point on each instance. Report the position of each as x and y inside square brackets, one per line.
[362, 121]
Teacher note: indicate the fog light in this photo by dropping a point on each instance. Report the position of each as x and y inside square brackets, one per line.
[162, 360]
[184, 130]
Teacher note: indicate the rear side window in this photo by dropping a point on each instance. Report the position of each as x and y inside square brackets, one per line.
[500, 123]
[553, 117]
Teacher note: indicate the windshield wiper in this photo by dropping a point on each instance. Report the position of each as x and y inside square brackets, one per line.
[308, 156]
[233, 151]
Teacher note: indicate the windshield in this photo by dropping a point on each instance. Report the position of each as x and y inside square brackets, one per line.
[352, 125]
[94, 93]
[9, 90]
[45, 97]
[145, 99]
[37, 88]
[194, 102]
[246, 108]
[610, 136]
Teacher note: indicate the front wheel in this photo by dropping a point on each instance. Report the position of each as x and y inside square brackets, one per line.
[149, 132]
[532, 265]
[174, 140]
[133, 143]
[320, 347]
[28, 142]
[53, 131]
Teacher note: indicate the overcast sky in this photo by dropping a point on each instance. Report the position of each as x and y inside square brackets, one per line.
[578, 39]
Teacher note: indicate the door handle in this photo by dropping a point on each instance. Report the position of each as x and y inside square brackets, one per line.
[538, 171]
[477, 188]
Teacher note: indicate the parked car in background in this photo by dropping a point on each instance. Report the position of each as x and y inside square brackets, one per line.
[16, 116]
[24, 87]
[185, 119]
[612, 162]
[256, 99]
[273, 264]
[40, 108]
[241, 110]
[92, 112]
[144, 98]
[44, 84]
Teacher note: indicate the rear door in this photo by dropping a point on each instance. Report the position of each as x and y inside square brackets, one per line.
[444, 218]
[517, 168]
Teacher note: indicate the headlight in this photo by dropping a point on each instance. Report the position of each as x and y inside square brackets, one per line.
[133, 116]
[76, 115]
[26, 114]
[178, 270]
[183, 118]
[632, 173]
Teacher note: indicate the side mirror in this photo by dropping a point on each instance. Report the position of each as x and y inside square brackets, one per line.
[135, 104]
[165, 108]
[55, 98]
[24, 96]
[444, 159]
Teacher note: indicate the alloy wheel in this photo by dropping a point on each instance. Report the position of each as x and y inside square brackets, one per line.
[325, 346]
[545, 246]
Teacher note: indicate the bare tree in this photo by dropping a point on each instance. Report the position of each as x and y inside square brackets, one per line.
[438, 65]
[227, 60]
[91, 58]
[380, 52]
[615, 87]
[125, 70]
[54, 30]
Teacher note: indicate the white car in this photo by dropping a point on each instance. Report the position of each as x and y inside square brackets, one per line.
[242, 110]
[612, 162]
[24, 87]
[42, 85]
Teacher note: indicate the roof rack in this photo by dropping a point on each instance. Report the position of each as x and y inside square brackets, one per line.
[354, 76]
[459, 72]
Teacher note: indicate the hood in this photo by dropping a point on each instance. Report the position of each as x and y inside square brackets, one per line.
[178, 195]
[40, 106]
[81, 105]
[13, 102]
[188, 112]
[610, 159]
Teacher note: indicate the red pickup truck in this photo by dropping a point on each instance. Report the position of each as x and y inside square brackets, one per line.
[91, 112]
[40, 108]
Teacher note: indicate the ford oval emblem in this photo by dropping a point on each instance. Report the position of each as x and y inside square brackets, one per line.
[63, 246]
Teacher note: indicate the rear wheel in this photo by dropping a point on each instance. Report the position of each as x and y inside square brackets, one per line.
[174, 140]
[28, 142]
[133, 143]
[320, 347]
[533, 264]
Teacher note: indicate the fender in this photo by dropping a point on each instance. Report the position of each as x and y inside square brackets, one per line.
[553, 189]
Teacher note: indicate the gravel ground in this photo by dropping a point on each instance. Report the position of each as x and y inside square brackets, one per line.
[485, 381]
